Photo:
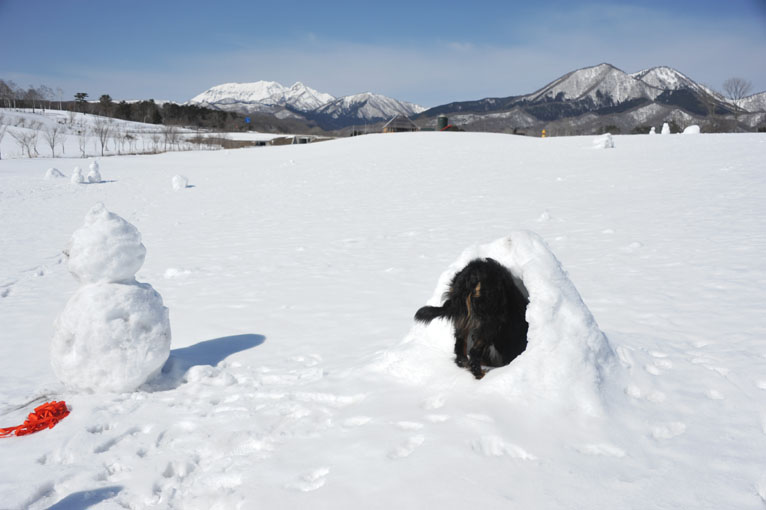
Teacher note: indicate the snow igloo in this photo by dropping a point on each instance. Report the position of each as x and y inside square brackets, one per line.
[567, 358]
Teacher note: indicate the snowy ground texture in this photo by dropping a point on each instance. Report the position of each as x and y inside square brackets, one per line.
[297, 377]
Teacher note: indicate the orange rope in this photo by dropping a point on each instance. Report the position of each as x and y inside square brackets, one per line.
[45, 416]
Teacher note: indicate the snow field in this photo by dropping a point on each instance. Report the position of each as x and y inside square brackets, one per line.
[291, 271]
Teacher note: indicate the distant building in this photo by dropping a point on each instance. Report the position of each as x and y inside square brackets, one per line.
[399, 124]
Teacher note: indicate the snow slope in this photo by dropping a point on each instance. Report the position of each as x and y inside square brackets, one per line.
[292, 274]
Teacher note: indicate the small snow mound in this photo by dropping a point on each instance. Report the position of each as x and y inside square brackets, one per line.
[77, 176]
[180, 182]
[692, 130]
[665, 129]
[111, 337]
[567, 360]
[604, 141]
[652, 131]
[53, 173]
[106, 248]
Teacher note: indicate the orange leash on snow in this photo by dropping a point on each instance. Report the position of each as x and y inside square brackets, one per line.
[45, 416]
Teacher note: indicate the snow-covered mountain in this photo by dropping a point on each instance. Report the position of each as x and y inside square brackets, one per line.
[301, 101]
[262, 96]
[592, 98]
[365, 107]
[596, 83]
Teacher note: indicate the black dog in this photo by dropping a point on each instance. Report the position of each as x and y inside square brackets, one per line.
[487, 311]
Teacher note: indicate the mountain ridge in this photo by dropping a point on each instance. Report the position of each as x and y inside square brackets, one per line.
[580, 97]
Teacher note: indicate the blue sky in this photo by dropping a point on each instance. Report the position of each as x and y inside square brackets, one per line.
[426, 52]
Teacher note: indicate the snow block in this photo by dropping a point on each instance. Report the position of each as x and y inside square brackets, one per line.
[180, 182]
[567, 359]
[692, 130]
[111, 337]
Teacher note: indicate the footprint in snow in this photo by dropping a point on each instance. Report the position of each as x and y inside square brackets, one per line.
[668, 430]
[409, 425]
[110, 443]
[601, 449]
[311, 481]
[357, 421]
[405, 449]
[5, 289]
[651, 396]
[434, 402]
[714, 394]
[494, 446]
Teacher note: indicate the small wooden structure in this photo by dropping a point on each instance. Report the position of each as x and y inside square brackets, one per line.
[399, 124]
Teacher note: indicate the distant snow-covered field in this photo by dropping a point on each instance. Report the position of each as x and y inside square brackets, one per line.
[297, 377]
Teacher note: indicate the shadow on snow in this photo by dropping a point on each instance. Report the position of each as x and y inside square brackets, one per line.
[86, 499]
[209, 352]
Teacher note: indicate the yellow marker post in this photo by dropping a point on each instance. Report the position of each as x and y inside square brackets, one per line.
[544, 134]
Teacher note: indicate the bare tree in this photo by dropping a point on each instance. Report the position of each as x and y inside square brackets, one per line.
[27, 140]
[62, 141]
[52, 135]
[102, 127]
[82, 140]
[46, 94]
[7, 94]
[171, 136]
[737, 88]
[155, 141]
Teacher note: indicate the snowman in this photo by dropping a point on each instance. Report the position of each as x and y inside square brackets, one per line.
[114, 333]
[94, 175]
[77, 176]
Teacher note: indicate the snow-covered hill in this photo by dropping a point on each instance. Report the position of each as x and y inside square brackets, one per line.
[75, 135]
[297, 378]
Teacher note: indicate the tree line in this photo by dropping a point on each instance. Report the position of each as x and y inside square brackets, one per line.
[147, 111]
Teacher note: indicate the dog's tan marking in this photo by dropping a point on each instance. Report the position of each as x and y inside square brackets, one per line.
[477, 290]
